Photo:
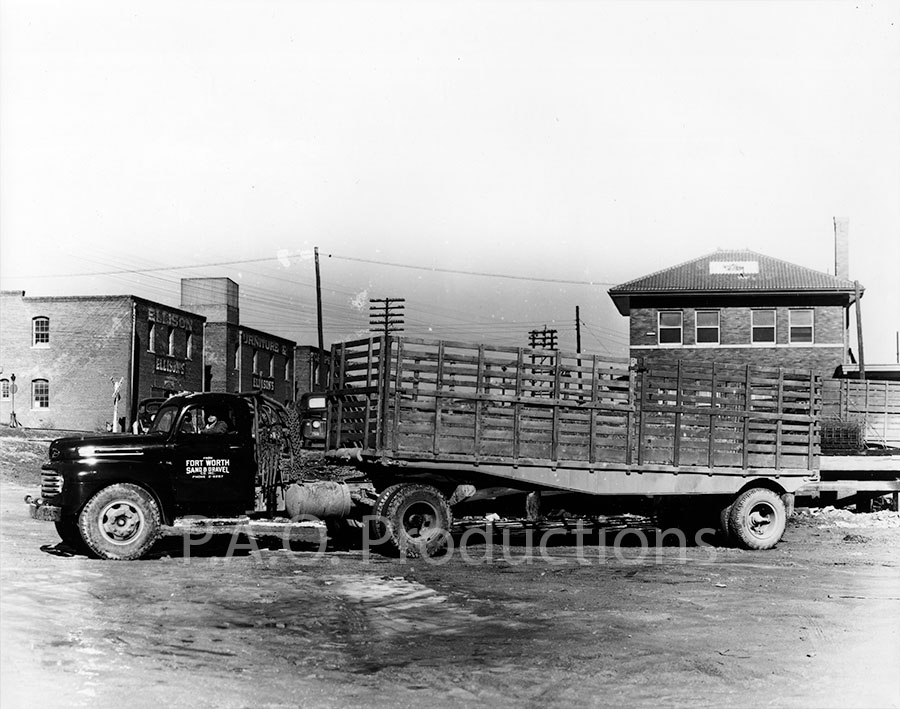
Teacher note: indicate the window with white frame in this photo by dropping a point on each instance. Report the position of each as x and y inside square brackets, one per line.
[237, 356]
[762, 327]
[255, 366]
[170, 345]
[4, 390]
[40, 332]
[271, 366]
[40, 394]
[151, 338]
[669, 327]
[707, 327]
[800, 329]
[189, 346]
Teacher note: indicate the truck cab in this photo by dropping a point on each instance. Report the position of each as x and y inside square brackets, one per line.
[200, 456]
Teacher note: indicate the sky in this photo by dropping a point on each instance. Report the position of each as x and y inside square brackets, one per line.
[496, 164]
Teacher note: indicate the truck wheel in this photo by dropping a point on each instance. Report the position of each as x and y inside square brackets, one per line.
[377, 527]
[418, 520]
[120, 522]
[757, 518]
[68, 531]
[725, 523]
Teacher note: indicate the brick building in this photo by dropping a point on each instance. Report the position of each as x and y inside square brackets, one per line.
[742, 307]
[84, 362]
[238, 358]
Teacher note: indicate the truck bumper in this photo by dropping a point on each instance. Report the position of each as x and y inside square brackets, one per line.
[38, 509]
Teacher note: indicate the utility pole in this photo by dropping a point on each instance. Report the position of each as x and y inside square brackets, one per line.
[320, 372]
[542, 339]
[386, 315]
[577, 330]
[859, 332]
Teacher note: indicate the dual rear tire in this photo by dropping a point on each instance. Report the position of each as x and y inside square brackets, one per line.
[413, 520]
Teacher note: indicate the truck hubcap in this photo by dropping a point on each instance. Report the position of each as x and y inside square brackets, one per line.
[420, 521]
[121, 522]
[761, 518]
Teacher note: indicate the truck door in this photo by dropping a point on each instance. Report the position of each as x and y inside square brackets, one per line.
[213, 459]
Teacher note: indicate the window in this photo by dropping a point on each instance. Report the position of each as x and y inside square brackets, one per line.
[170, 347]
[255, 367]
[707, 327]
[4, 389]
[40, 332]
[40, 394]
[670, 327]
[189, 346]
[762, 326]
[801, 326]
[287, 371]
[271, 366]
[151, 338]
[237, 356]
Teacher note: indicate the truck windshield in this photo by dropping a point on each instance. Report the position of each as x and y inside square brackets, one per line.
[164, 420]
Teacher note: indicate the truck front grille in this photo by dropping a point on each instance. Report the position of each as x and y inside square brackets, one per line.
[51, 483]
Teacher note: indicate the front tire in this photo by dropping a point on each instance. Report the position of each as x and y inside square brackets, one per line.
[757, 518]
[120, 522]
[418, 520]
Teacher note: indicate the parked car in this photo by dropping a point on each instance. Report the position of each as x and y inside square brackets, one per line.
[311, 409]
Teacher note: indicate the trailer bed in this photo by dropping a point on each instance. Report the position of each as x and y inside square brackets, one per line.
[576, 422]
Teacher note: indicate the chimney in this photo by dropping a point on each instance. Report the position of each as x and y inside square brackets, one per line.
[842, 247]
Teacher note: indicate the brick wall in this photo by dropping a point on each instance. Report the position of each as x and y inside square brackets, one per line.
[90, 344]
[825, 354]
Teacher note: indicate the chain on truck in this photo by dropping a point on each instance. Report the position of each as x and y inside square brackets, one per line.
[436, 427]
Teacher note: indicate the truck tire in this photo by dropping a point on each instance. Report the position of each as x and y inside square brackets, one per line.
[70, 534]
[377, 527]
[757, 518]
[418, 521]
[120, 522]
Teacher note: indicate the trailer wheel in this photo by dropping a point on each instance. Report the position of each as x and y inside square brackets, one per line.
[377, 527]
[725, 523]
[418, 520]
[120, 522]
[757, 518]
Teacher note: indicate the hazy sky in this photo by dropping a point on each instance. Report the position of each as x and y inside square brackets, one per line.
[558, 147]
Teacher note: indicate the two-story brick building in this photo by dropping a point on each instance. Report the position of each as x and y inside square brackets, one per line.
[739, 306]
[85, 362]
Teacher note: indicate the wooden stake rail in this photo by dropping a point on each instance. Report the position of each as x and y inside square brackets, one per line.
[412, 399]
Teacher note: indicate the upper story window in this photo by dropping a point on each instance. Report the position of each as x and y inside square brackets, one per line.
[271, 366]
[40, 394]
[4, 389]
[237, 356]
[762, 327]
[189, 346]
[151, 338]
[670, 326]
[800, 326]
[170, 345]
[707, 327]
[287, 371]
[255, 368]
[40, 332]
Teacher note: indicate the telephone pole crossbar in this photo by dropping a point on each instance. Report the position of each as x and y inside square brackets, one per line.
[386, 315]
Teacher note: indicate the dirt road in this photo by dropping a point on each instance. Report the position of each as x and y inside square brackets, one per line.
[812, 623]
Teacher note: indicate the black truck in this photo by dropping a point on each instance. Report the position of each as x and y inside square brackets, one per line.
[209, 455]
